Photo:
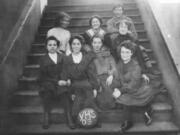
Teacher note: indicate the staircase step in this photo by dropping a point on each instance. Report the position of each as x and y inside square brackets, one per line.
[131, 11]
[34, 114]
[82, 2]
[141, 34]
[157, 128]
[31, 98]
[84, 19]
[81, 28]
[86, 8]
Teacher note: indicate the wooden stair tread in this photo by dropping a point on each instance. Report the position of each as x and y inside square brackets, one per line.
[106, 128]
[39, 109]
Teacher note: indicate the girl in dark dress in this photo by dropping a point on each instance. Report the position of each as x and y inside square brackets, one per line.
[106, 71]
[52, 87]
[132, 90]
[80, 69]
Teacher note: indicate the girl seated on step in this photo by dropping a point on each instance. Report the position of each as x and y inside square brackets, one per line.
[106, 73]
[132, 90]
[80, 69]
[51, 85]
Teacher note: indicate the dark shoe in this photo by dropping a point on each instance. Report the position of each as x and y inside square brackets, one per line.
[70, 120]
[148, 118]
[72, 126]
[99, 125]
[46, 121]
[126, 125]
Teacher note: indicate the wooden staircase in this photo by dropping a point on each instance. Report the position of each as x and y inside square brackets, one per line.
[25, 111]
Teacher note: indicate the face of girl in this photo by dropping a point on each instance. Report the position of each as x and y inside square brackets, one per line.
[52, 46]
[95, 23]
[65, 22]
[97, 44]
[123, 28]
[76, 46]
[126, 54]
[118, 11]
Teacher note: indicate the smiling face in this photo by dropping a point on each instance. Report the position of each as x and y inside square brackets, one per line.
[125, 54]
[52, 46]
[123, 28]
[76, 46]
[95, 23]
[118, 11]
[97, 44]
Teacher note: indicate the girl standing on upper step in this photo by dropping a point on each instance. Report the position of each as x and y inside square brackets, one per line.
[80, 69]
[60, 31]
[52, 87]
[132, 90]
[95, 22]
[118, 12]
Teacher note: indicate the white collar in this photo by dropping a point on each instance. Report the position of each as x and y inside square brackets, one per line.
[77, 58]
[53, 57]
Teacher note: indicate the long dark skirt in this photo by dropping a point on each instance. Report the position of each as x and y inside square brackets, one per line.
[105, 99]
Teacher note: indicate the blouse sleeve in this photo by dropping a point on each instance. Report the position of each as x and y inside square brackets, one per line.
[110, 26]
[92, 75]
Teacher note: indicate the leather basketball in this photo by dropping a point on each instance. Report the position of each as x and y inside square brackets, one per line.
[87, 118]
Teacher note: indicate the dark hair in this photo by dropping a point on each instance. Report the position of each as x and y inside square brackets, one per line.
[78, 37]
[127, 44]
[119, 6]
[52, 38]
[96, 36]
[126, 22]
[97, 17]
[61, 16]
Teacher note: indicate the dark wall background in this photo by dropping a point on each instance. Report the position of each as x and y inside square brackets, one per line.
[10, 11]
[18, 34]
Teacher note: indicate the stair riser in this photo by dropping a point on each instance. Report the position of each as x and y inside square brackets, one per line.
[80, 22]
[89, 14]
[75, 20]
[138, 26]
[82, 2]
[141, 35]
[105, 117]
[32, 85]
[85, 8]
[36, 100]
[31, 72]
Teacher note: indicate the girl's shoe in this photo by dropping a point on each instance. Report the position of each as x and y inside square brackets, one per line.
[148, 118]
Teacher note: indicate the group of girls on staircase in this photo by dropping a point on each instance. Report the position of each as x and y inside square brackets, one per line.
[99, 68]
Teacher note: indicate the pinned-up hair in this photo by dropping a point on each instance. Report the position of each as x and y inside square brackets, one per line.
[118, 6]
[127, 44]
[97, 36]
[59, 17]
[97, 17]
[52, 38]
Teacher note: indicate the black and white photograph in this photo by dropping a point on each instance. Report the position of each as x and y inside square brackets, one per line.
[89, 67]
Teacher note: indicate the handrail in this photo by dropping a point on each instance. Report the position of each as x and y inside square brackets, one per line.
[18, 28]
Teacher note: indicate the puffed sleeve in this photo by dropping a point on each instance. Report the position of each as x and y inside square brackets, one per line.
[134, 34]
[110, 26]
